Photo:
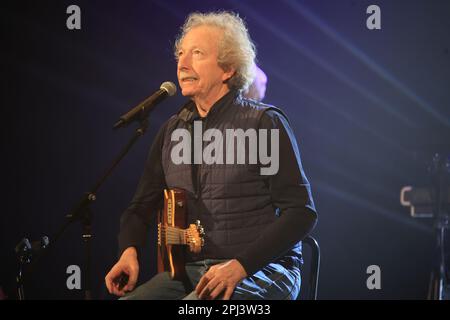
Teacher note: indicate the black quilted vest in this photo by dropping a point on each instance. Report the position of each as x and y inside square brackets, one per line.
[232, 201]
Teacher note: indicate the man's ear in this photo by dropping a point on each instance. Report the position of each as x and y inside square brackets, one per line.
[228, 75]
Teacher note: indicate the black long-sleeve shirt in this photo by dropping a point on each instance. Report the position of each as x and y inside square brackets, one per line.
[289, 188]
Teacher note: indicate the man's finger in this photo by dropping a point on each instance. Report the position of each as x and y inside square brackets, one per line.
[119, 293]
[207, 290]
[201, 284]
[132, 279]
[114, 290]
[220, 287]
[204, 292]
[228, 293]
[112, 274]
[107, 283]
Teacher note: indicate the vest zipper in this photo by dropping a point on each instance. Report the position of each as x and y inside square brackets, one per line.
[199, 166]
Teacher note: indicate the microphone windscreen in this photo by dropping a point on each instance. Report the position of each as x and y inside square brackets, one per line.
[169, 87]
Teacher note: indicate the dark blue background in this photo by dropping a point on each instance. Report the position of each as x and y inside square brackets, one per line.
[368, 108]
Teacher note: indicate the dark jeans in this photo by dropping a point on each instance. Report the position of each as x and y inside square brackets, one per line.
[274, 282]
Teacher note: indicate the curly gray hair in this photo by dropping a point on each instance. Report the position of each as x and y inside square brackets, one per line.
[236, 49]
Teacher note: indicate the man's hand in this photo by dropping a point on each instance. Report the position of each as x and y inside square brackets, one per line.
[220, 278]
[126, 267]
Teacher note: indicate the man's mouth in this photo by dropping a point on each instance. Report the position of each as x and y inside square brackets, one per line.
[188, 79]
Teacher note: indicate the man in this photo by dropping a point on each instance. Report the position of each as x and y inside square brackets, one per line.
[257, 90]
[253, 222]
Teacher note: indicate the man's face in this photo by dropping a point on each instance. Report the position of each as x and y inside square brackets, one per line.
[199, 75]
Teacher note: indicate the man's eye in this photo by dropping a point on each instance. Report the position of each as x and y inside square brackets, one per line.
[197, 52]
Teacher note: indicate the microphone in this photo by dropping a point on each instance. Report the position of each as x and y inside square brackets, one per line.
[141, 110]
[26, 249]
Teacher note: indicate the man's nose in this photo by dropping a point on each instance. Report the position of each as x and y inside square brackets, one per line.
[184, 62]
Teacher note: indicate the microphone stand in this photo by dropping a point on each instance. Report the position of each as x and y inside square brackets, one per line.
[80, 212]
[439, 170]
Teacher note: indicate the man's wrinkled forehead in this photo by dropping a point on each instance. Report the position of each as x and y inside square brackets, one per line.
[200, 36]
